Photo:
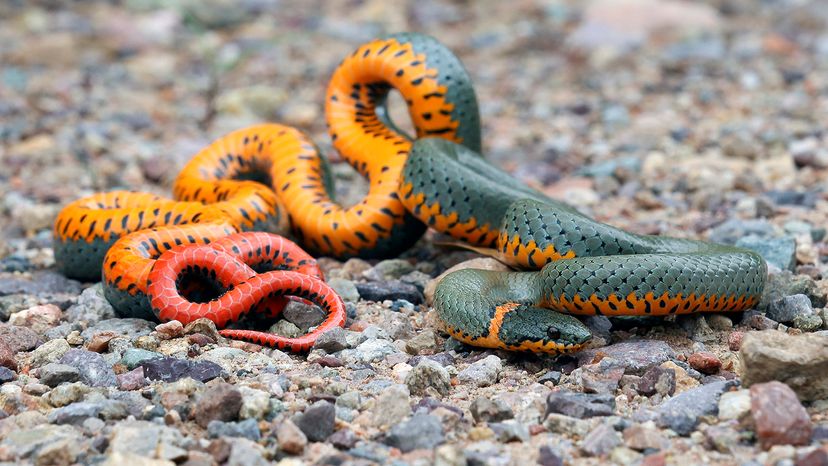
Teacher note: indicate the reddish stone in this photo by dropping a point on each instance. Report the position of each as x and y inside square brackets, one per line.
[704, 362]
[818, 457]
[656, 459]
[779, 417]
[221, 402]
[734, 340]
[19, 338]
[169, 330]
[199, 339]
[7, 357]
[132, 380]
[99, 342]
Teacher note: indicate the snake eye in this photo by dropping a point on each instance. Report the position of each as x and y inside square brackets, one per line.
[553, 333]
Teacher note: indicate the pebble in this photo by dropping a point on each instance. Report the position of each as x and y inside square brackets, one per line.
[429, 375]
[682, 412]
[579, 405]
[169, 330]
[392, 406]
[92, 307]
[92, 367]
[422, 431]
[510, 431]
[18, 338]
[7, 357]
[221, 402]
[635, 356]
[490, 410]
[38, 318]
[659, 380]
[779, 417]
[390, 290]
[734, 405]
[317, 421]
[422, 343]
[134, 357]
[54, 374]
[389, 269]
[801, 361]
[171, 369]
[290, 438]
[645, 436]
[345, 289]
[132, 380]
[6, 375]
[602, 377]
[786, 309]
[248, 429]
[704, 362]
[481, 373]
[600, 441]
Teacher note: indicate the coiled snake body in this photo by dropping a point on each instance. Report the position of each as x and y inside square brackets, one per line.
[271, 177]
[586, 267]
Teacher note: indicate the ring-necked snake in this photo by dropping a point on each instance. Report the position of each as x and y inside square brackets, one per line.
[270, 176]
[445, 185]
[586, 267]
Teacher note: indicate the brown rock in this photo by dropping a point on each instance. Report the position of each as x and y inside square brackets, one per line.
[19, 338]
[704, 362]
[734, 340]
[132, 380]
[818, 457]
[779, 417]
[203, 326]
[800, 361]
[645, 436]
[199, 339]
[657, 380]
[99, 342]
[7, 357]
[291, 439]
[221, 402]
[169, 330]
[38, 318]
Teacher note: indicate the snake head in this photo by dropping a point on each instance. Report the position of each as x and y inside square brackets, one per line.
[542, 330]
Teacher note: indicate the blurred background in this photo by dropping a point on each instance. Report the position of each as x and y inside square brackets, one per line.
[660, 116]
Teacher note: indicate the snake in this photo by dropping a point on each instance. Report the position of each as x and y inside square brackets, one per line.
[571, 264]
[244, 273]
[273, 178]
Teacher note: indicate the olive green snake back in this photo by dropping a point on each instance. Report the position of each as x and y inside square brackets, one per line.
[587, 267]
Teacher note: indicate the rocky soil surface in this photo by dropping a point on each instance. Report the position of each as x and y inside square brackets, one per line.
[701, 120]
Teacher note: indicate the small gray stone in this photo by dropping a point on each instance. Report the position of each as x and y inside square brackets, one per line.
[134, 357]
[54, 374]
[808, 322]
[345, 289]
[92, 307]
[249, 429]
[428, 374]
[332, 341]
[487, 410]
[510, 431]
[682, 412]
[787, 309]
[75, 413]
[391, 290]
[601, 440]
[635, 356]
[317, 422]
[482, 373]
[131, 328]
[374, 349]
[93, 368]
[579, 405]
[221, 402]
[422, 431]
[392, 406]
[390, 269]
[50, 351]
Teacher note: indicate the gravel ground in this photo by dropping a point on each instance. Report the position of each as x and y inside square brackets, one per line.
[700, 120]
